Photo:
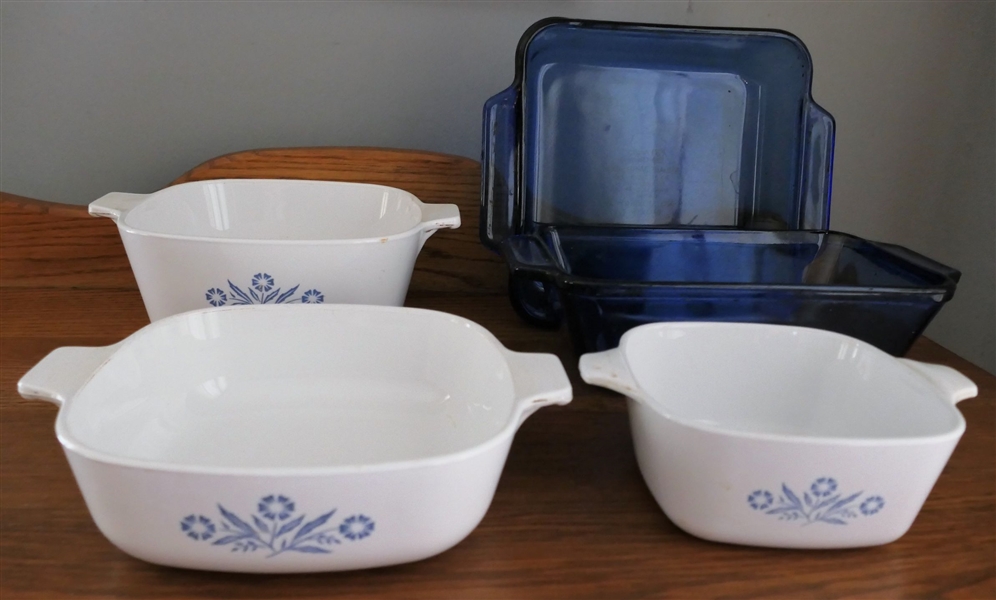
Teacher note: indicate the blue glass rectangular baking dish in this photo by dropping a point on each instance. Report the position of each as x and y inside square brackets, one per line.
[638, 173]
[605, 283]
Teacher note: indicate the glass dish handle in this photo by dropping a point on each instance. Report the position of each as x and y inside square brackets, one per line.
[532, 280]
[498, 167]
[918, 260]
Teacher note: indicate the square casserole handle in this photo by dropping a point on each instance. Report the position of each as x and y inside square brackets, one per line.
[539, 380]
[115, 205]
[608, 369]
[58, 376]
[952, 385]
[436, 217]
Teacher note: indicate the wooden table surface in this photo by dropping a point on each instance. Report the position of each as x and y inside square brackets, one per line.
[571, 517]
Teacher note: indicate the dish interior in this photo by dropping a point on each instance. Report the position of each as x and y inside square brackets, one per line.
[643, 126]
[295, 387]
[783, 380]
[276, 210]
[729, 256]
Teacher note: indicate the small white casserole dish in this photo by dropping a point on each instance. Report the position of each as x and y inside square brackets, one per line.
[782, 436]
[292, 439]
[256, 241]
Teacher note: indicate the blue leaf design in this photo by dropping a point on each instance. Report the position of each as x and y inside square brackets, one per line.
[271, 296]
[310, 549]
[242, 537]
[238, 292]
[283, 297]
[228, 540]
[255, 296]
[261, 524]
[313, 525]
[236, 521]
[289, 526]
[791, 496]
[827, 502]
[811, 508]
[844, 502]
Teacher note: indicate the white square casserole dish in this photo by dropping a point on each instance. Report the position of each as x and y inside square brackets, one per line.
[783, 436]
[292, 439]
[272, 241]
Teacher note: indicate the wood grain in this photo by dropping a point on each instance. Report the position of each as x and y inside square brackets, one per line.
[571, 517]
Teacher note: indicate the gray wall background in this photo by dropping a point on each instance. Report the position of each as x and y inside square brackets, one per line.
[125, 96]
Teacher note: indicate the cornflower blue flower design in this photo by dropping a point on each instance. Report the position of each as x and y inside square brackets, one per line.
[821, 503]
[216, 297]
[823, 487]
[760, 499]
[356, 527]
[197, 527]
[275, 528]
[262, 282]
[312, 297]
[277, 508]
[261, 291]
[872, 505]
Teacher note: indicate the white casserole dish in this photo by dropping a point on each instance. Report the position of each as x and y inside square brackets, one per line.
[782, 436]
[292, 439]
[256, 241]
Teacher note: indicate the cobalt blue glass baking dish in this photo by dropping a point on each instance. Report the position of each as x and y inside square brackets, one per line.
[621, 124]
[606, 283]
[641, 173]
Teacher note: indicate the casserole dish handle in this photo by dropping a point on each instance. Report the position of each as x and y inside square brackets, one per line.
[920, 261]
[608, 369]
[115, 205]
[953, 386]
[436, 217]
[58, 376]
[539, 380]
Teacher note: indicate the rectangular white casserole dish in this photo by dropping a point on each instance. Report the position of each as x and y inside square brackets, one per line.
[292, 439]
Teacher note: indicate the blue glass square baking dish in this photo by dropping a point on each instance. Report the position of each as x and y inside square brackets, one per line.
[637, 173]
[605, 281]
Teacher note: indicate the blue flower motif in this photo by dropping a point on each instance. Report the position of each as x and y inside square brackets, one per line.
[262, 282]
[821, 503]
[262, 290]
[276, 508]
[312, 297]
[197, 527]
[216, 297]
[276, 529]
[356, 527]
[823, 487]
[760, 499]
[872, 505]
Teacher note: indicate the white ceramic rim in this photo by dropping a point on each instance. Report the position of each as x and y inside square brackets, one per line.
[71, 444]
[421, 225]
[815, 440]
